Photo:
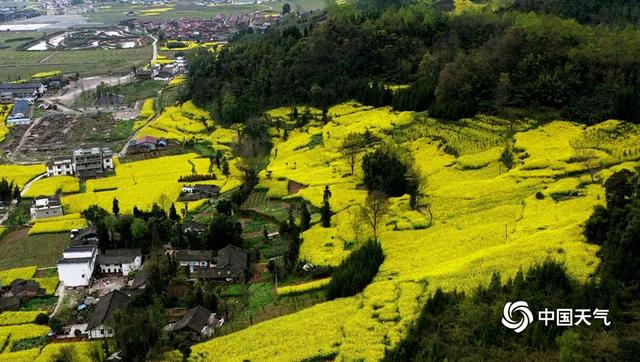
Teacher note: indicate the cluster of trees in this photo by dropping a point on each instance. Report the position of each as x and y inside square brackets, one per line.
[8, 191]
[453, 325]
[456, 66]
[616, 229]
[591, 11]
[356, 271]
[149, 229]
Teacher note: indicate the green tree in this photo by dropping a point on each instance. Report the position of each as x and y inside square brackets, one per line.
[325, 214]
[305, 217]
[374, 210]
[115, 207]
[139, 229]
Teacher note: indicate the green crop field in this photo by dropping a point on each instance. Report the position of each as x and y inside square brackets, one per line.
[111, 14]
[19, 64]
[19, 249]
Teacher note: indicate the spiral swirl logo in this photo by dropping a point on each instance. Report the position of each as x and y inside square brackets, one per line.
[511, 309]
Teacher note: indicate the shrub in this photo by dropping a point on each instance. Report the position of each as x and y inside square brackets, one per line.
[356, 271]
[41, 319]
[383, 171]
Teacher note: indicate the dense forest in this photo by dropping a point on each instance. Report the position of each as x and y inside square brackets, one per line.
[508, 63]
[454, 325]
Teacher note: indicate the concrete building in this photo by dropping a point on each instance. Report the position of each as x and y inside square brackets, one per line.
[76, 266]
[120, 261]
[92, 162]
[61, 166]
[46, 206]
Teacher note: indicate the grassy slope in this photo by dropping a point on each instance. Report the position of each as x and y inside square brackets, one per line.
[16, 64]
[485, 220]
[19, 250]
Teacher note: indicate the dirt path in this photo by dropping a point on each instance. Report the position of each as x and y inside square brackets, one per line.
[23, 140]
[155, 47]
[28, 184]
[48, 57]
[87, 84]
[15, 235]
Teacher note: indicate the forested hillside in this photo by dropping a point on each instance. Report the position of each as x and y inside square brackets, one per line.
[501, 63]
[484, 133]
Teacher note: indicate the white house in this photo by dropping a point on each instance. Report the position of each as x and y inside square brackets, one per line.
[62, 166]
[193, 259]
[101, 321]
[76, 266]
[45, 206]
[120, 261]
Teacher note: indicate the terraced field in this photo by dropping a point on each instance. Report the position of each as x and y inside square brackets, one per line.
[477, 217]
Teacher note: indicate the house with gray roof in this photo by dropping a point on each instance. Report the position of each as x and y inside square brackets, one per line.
[120, 261]
[101, 323]
[198, 321]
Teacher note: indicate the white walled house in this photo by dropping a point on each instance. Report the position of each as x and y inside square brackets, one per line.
[120, 261]
[76, 266]
[193, 259]
[101, 321]
[45, 206]
[60, 167]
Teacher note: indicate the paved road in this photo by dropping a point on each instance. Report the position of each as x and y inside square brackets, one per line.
[155, 47]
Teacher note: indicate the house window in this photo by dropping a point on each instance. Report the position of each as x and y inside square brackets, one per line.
[83, 276]
[102, 331]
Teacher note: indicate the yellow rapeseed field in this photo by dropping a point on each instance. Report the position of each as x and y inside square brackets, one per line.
[11, 317]
[19, 332]
[50, 185]
[21, 174]
[58, 224]
[81, 351]
[300, 288]
[477, 218]
[4, 114]
[7, 276]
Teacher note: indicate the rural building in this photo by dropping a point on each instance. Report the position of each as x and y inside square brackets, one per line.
[230, 266]
[21, 113]
[6, 98]
[163, 76]
[9, 303]
[120, 261]
[140, 280]
[28, 91]
[197, 322]
[142, 74]
[197, 192]
[193, 259]
[76, 266]
[100, 323]
[85, 236]
[145, 144]
[194, 227]
[92, 162]
[43, 207]
[26, 289]
[60, 166]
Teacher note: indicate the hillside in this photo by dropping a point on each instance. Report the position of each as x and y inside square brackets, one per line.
[485, 219]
